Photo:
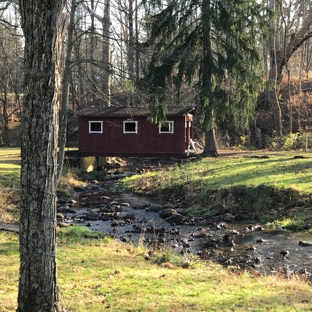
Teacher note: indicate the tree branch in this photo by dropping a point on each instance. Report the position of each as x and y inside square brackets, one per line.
[92, 12]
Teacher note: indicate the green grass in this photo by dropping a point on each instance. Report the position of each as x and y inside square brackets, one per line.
[281, 171]
[104, 275]
[9, 183]
[10, 160]
[99, 274]
[274, 190]
[267, 189]
[10, 167]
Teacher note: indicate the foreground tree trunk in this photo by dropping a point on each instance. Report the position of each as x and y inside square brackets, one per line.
[42, 26]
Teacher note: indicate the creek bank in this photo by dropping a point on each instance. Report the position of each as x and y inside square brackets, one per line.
[242, 246]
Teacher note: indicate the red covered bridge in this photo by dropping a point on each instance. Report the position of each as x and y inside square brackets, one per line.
[126, 131]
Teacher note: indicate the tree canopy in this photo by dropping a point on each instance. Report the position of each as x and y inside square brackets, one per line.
[214, 46]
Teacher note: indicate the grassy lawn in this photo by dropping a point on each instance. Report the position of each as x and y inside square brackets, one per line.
[99, 274]
[104, 275]
[10, 166]
[10, 160]
[269, 189]
[280, 170]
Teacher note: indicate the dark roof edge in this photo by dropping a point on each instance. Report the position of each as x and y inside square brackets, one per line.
[123, 111]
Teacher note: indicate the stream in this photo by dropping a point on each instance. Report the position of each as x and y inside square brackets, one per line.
[241, 245]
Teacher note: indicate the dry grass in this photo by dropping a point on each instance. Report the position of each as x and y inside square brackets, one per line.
[10, 184]
[8, 201]
[109, 276]
[68, 181]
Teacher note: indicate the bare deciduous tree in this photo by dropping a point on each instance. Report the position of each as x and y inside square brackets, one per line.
[43, 27]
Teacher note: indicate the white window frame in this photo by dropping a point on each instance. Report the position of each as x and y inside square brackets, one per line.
[171, 127]
[93, 122]
[127, 122]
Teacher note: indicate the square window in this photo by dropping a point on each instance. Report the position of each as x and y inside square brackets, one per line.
[130, 127]
[95, 126]
[166, 127]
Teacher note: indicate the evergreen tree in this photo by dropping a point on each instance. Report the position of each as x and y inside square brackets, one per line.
[213, 45]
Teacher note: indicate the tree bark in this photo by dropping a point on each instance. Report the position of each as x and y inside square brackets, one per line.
[5, 117]
[42, 27]
[205, 92]
[131, 41]
[210, 144]
[65, 90]
[107, 53]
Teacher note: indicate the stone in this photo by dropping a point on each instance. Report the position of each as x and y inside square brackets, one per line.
[63, 224]
[228, 217]
[303, 244]
[61, 202]
[72, 202]
[154, 208]
[140, 206]
[175, 219]
[181, 211]
[65, 209]
[166, 213]
[91, 216]
[78, 189]
[60, 216]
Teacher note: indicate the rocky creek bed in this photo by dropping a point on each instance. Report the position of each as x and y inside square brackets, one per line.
[243, 246]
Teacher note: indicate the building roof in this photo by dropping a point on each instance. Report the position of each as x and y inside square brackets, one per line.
[126, 111]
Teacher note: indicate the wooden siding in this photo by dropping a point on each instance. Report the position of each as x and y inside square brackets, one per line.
[146, 142]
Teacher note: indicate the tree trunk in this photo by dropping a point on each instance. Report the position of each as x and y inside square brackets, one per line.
[137, 53]
[106, 53]
[131, 42]
[205, 91]
[65, 91]
[42, 27]
[210, 144]
[5, 116]
[92, 49]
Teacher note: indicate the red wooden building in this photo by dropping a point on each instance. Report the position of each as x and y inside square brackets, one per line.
[126, 131]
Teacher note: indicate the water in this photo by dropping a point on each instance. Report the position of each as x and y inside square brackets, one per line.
[259, 249]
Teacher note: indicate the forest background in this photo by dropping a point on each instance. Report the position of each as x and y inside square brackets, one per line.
[107, 54]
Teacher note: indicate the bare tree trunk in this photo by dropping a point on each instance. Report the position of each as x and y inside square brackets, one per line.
[5, 117]
[106, 53]
[210, 140]
[279, 59]
[106, 56]
[210, 144]
[92, 51]
[289, 102]
[130, 55]
[137, 53]
[274, 80]
[299, 88]
[65, 91]
[38, 289]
